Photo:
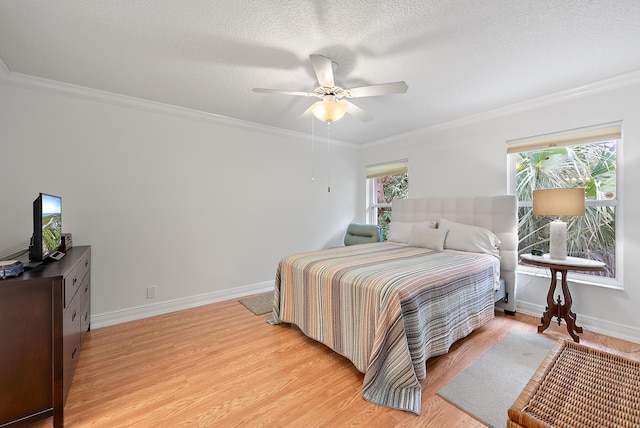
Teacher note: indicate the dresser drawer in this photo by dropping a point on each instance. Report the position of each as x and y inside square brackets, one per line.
[84, 294]
[74, 279]
[71, 342]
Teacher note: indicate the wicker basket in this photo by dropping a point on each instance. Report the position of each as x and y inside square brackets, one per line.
[578, 386]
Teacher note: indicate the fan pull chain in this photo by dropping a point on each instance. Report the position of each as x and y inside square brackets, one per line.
[313, 175]
[328, 157]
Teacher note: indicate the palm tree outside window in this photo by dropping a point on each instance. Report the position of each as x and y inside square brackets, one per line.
[585, 157]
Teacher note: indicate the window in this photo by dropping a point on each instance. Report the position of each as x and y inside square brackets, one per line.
[585, 157]
[385, 182]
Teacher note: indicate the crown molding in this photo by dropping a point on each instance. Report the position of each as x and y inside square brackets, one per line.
[620, 81]
[26, 81]
[7, 77]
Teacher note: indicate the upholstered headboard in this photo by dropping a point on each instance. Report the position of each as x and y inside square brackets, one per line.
[496, 213]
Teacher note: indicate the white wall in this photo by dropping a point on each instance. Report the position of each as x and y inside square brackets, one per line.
[203, 207]
[198, 206]
[468, 157]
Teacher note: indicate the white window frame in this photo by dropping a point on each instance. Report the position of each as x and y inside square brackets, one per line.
[380, 170]
[372, 205]
[592, 134]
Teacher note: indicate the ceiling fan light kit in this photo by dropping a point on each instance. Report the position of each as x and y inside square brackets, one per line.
[333, 107]
[329, 110]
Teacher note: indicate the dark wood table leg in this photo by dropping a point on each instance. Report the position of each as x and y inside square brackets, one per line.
[558, 309]
[567, 314]
[552, 308]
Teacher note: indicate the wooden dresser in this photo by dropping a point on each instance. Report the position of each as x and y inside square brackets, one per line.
[44, 315]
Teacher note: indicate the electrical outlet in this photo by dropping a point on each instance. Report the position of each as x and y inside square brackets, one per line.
[151, 292]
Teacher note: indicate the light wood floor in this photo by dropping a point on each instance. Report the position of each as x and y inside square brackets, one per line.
[221, 365]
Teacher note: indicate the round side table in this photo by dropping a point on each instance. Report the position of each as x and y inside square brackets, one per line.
[561, 310]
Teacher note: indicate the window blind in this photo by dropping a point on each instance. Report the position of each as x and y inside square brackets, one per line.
[387, 168]
[589, 134]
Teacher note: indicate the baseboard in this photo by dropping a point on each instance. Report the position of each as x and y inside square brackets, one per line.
[140, 312]
[596, 325]
[620, 331]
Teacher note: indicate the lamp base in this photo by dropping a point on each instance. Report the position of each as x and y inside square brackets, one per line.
[558, 240]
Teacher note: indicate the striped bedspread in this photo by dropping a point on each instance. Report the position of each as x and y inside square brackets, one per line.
[386, 307]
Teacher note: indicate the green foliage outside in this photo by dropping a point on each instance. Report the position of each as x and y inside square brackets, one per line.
[592, 166]
[388, 188]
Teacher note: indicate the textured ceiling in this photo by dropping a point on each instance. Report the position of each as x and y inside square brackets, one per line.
[458, 57]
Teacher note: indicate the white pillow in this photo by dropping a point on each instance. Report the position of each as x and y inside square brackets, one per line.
[400, 231]
[465, 237]
[427, 237]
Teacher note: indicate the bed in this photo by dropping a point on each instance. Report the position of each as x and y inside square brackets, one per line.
[390, 306]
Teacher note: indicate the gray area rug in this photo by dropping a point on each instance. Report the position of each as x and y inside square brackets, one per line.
[489, 387]
[259, 304]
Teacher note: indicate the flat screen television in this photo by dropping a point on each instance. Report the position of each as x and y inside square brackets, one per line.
[47, 227]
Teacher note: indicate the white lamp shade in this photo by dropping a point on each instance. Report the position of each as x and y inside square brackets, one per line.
[329, 111]
[557, 202]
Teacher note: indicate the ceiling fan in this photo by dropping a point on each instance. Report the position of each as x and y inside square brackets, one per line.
[334, 105]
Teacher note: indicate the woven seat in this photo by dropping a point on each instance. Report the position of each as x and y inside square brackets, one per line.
[578, 386]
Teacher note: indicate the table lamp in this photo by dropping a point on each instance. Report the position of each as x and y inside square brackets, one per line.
[557, 202]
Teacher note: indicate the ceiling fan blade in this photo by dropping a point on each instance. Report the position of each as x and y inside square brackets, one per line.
[357, 112]
[375, 90]
[284, 92]
[306, 113]
[323, 67]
